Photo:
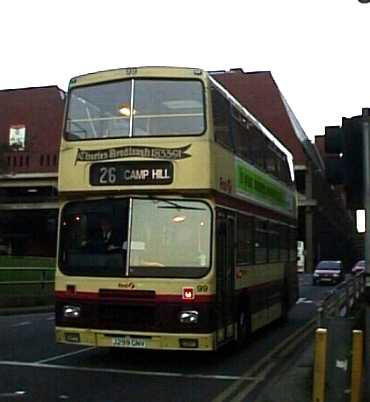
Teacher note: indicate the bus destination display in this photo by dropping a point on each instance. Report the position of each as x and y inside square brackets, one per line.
[131, 173]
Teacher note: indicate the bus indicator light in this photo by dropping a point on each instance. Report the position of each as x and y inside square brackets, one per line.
[188, 293]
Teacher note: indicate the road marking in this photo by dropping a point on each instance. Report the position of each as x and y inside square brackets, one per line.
[77, 352]
[303, 300]
[131, 372]
[21, 324]
[12, 394]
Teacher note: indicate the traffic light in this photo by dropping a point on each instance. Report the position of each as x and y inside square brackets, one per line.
[353, 161]
[334, 164]
[345, 166]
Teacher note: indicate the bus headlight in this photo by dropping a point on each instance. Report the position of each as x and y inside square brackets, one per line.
[189, 317]
[71, 311]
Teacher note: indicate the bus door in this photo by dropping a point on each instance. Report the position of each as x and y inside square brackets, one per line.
[225, 264]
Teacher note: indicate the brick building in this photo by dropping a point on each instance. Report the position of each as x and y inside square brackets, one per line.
[324, 224]
[30, 129]
[31, 122]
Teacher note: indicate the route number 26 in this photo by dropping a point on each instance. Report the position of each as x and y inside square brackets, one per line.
[107, 175]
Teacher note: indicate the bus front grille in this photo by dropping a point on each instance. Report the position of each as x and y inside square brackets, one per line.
[126, 317]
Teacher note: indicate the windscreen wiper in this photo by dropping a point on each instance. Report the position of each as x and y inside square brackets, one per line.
[175, 205]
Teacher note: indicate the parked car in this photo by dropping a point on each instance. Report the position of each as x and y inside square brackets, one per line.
[329, 272]
[358, 267]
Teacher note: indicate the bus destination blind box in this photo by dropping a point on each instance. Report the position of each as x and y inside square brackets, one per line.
[131, 173]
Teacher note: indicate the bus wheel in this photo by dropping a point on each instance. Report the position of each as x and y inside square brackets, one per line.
[243, 328]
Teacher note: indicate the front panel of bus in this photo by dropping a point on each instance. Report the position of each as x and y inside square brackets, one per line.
[150, 285]
[135, 162]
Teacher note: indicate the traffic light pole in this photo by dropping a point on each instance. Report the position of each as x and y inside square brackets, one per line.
[366, 155]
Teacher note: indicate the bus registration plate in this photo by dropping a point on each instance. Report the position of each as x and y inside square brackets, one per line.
[128, 342]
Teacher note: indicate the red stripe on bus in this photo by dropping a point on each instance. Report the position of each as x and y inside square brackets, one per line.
[63, 295]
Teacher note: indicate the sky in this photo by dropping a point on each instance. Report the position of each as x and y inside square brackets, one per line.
[317, 50]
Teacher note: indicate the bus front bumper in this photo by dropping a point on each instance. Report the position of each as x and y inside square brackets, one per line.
[165, 341]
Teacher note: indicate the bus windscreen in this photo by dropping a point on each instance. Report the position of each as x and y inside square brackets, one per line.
[141, 237]
[159, 108]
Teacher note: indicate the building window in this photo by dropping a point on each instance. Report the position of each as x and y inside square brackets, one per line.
[41, 160]
[17, 137]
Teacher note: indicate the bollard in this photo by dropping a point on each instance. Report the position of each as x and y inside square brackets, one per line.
[357, 365]
[318, 394]
[339, 344]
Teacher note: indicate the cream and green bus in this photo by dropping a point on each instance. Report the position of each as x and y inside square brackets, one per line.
[177, 226]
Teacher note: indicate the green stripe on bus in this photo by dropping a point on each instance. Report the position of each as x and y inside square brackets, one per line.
[260, 187]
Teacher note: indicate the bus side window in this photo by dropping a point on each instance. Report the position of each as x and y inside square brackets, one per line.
[240, 134]
[261, 241]
[221, 119]
[245, 249]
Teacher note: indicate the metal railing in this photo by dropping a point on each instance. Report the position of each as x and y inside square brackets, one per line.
[340, 301]
[41, 276]
[338, 358]
[26, 286]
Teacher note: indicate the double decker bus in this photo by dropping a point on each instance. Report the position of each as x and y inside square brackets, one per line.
[177, 226]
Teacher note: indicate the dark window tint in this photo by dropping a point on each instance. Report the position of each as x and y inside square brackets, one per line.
[261, 242]
[274, 242]
[93, 236]
[292, 245]
[221, 109]
[329, 265]
[284, 243]
[241, 128]
[245, 240]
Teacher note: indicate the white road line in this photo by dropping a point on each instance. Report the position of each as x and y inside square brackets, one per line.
[21, 324]
[304, 300]
[132, 372]
[50, 359]
[15, 394]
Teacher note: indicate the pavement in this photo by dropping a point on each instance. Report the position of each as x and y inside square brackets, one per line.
[294, 382]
